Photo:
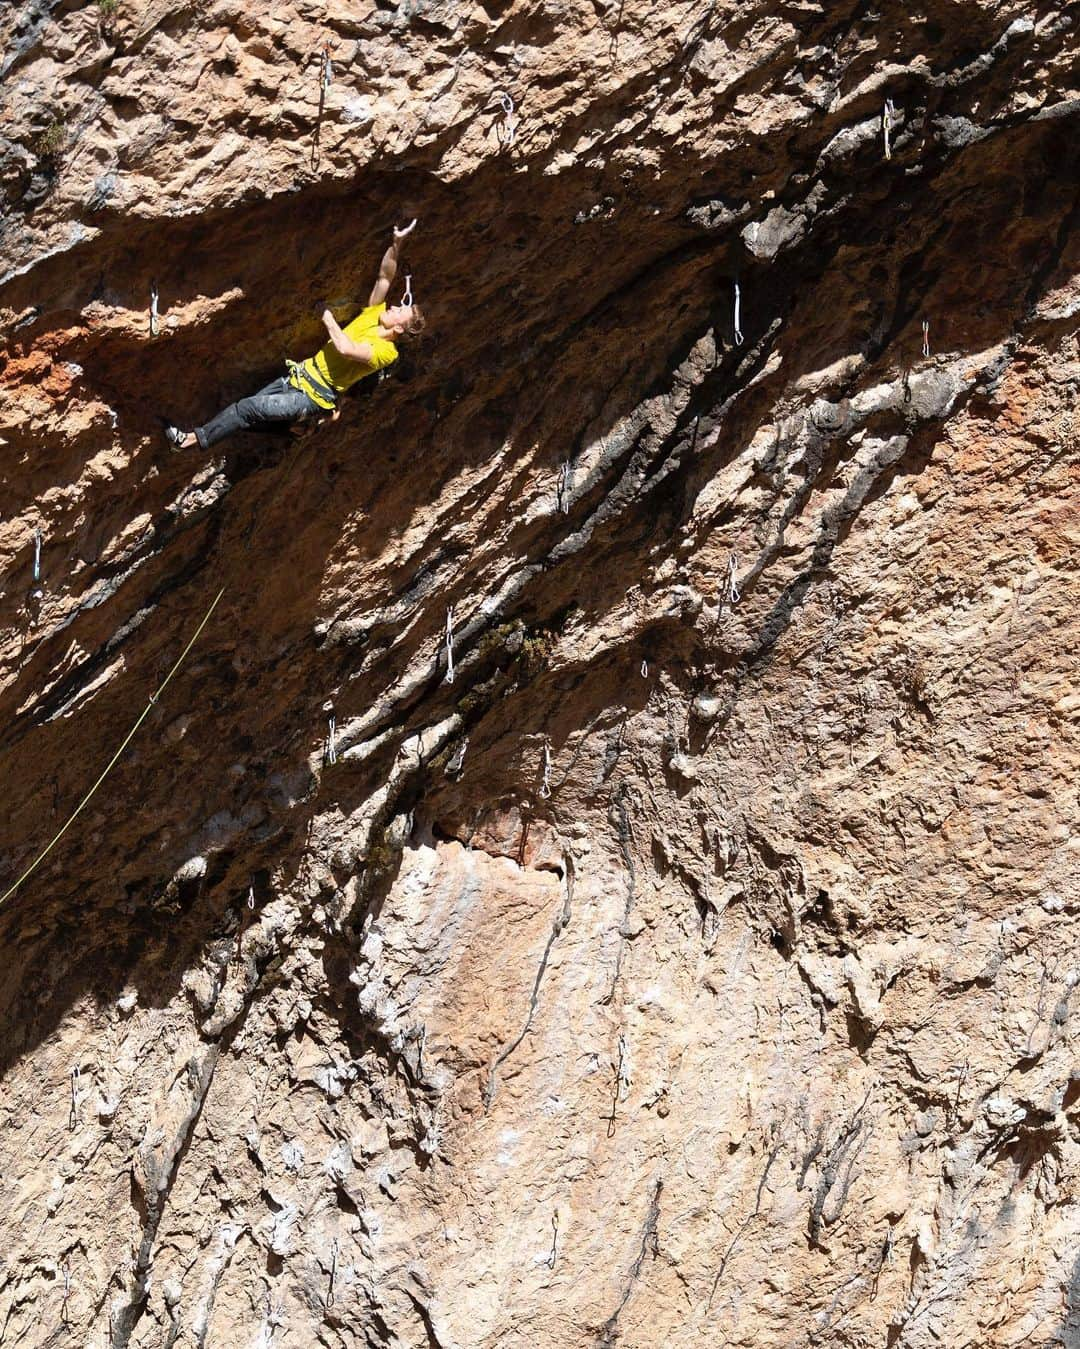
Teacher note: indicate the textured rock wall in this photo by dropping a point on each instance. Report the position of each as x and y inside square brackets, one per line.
[697, 966]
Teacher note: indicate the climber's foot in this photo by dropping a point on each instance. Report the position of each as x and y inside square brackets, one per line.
[177, 439]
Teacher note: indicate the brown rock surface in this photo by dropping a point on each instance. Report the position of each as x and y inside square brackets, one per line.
[698, 966]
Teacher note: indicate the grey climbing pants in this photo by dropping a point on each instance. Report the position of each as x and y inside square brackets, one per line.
[277, 402]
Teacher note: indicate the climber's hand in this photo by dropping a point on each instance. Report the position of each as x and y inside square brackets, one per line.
[400, 234]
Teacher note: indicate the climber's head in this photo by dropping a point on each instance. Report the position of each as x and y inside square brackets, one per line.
[402, 320]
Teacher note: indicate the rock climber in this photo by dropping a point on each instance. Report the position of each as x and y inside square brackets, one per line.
[312, 387]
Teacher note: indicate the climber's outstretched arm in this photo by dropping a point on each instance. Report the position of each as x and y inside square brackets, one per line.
[389, 265]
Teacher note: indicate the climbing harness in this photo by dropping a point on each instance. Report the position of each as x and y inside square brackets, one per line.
[123, 746]
[331, 741]
[506, 130]
[738, 316]
[449, 645]
[300, 377]
[545, 786]
[154, 310]
[732, 593]
[926, 337]
[554, 1239]
[73, 1113]
[887, 115]
[407, 298]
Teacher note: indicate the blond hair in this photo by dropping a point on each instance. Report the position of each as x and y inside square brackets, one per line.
[417, 323]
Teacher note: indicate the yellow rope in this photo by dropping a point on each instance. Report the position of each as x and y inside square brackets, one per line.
[126, 741]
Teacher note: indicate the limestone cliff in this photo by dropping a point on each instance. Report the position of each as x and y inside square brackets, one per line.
[693, 960]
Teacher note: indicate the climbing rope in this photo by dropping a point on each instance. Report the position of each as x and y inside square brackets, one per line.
[449, 645]
[738, 316]
[506, 130]
[123, 746]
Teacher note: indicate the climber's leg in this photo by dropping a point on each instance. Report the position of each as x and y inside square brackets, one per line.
[277, 402]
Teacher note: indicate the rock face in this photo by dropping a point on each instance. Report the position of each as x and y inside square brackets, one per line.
[694, 961]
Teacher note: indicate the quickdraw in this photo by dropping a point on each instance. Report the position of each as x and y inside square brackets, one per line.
[327, 67]
[732, 593]
[506, 130]
[450, 645]
[545, 785]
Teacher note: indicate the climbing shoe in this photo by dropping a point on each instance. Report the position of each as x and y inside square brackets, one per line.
[175, 437]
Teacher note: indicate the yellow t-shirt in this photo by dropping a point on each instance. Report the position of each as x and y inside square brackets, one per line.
[337, 372]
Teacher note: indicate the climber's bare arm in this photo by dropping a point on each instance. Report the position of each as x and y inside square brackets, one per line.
[345, 346]
[387, 272]
[389, 265]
